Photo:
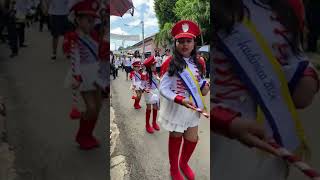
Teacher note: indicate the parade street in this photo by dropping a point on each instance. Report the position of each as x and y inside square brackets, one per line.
[147, 154]
[39, 129]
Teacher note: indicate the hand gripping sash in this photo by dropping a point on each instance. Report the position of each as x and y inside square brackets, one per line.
[193, 87]
[265, 78]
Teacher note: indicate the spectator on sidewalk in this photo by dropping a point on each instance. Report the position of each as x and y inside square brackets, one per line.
[10, 16]
[166, 56]
[313, 23]
[21, 12]
[43, 15]
[158, 60]
[59, 24]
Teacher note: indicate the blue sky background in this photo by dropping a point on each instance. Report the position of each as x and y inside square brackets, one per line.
[144, 9]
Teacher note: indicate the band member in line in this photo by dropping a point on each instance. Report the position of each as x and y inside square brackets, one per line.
[84, 54]
[136, 84]
[152, 96]
[183, 87]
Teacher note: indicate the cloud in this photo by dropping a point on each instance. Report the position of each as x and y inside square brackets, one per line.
[150, 22]
[137, 3]
[118, 30]
[135, 22]
[113, 19]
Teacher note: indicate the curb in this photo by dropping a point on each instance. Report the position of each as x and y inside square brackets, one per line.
[118, 164]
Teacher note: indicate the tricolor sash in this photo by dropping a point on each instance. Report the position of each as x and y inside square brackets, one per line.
[154, 82]
[90, 46]
[264, 76]
[193, 87]
[137, 75]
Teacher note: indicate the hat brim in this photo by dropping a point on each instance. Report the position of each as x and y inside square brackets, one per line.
[184, 35]
[149, 64]
[89, 13]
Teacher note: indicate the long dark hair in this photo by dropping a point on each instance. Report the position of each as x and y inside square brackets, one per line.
[177, 64]
[226, 13]
[149, 71]
[136, 54]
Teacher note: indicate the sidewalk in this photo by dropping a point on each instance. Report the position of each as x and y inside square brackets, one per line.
[315, 59]
[7, 156]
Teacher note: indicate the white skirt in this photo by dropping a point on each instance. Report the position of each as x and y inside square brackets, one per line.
[176, 117]
[89, 75]
[138, 86]
[153, 97]
[232, 160]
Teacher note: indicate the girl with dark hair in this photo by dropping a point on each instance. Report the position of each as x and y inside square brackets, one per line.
[84, 54]
[152, 96]
[183, 87]
[136, 86]
[261, 77]
[127, 66]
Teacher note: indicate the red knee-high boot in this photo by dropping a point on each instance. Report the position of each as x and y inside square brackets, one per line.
[187, 150]
[82, 136]
[174, 149]
[92, 125]
[81, 131]
[136, 103]
[148, 127]
[154, 122]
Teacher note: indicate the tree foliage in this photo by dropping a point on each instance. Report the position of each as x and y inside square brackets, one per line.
[170, 11]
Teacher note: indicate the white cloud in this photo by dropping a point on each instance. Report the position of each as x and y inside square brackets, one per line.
[118, 30]
[113, 19]
[150, 22]
[137, 3]
[135, 22]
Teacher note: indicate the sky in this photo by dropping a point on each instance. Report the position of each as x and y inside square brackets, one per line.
[144, 9]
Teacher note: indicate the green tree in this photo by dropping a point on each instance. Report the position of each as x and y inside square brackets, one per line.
[164, 36]
[195, 10]
[166, 18]
[165, 11]
[169, 12]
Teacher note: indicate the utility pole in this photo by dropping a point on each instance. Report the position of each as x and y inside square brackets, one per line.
[143, 45]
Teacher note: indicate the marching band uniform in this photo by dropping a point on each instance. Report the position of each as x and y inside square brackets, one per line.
[232, 99]
[84, 54]
[173, 116]
[152, 94]
[136, 85]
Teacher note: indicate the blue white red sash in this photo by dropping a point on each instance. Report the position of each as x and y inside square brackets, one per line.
[193, 87]
[90, 46]
[264, 76]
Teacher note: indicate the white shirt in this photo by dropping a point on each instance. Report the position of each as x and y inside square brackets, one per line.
[59, 7]
[22, 8]
[159, 61]
[127, 62]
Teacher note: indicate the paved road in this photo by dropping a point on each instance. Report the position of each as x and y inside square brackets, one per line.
[311, 122]
[146, 154]
[38, 124]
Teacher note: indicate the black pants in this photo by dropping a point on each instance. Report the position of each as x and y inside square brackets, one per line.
[115, 73]
[44, 19]
[16, 35]
[13, 37]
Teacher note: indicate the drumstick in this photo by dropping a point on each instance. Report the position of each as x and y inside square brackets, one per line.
[296, 161]
[200, 111]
